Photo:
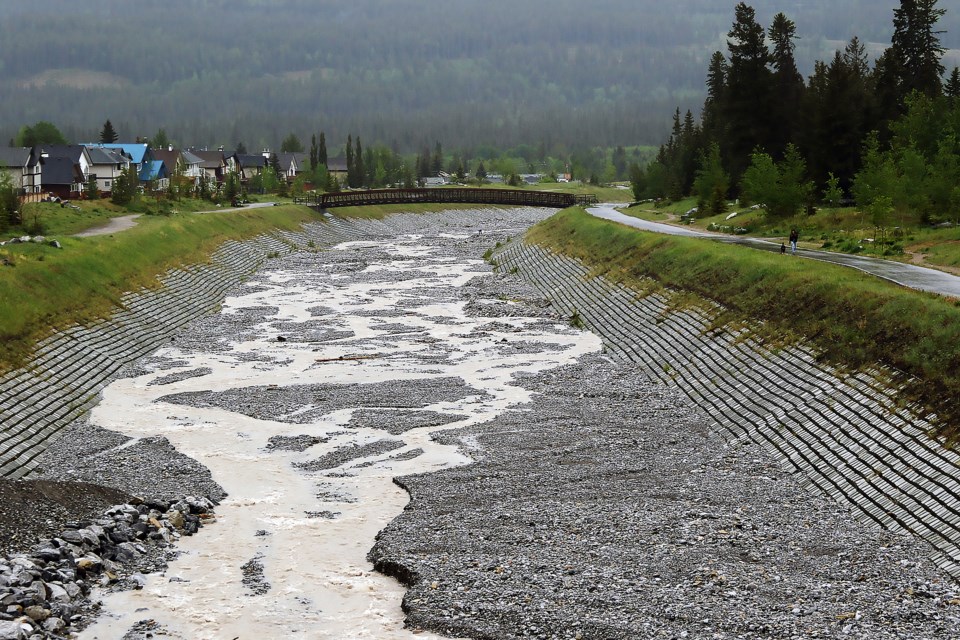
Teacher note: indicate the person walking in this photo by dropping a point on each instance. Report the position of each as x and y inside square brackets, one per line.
[794, 236]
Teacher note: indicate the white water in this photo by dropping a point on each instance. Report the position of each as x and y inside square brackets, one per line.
[322, 584]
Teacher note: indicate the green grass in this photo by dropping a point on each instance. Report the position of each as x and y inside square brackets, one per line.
[44, 289]
[856, 320]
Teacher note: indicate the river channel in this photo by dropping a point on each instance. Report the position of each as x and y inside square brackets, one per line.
[319, 381]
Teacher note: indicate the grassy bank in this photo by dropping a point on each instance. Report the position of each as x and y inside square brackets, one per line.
[43, 289]
[854, 318]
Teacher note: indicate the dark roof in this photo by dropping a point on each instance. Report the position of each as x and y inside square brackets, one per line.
[211, 159]
[251, 160]
[71, 151]
[337, 164]
[169, 158]
[99, 155]
[59, 171]
[14, 156]
[286, 160]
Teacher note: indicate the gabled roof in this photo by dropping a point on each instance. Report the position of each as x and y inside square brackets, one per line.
[189, 157]
[59, 170]
[248, 161]
[211, 159]
[99, 155]
[337, 164]
[72, 151]
[15, 157]
[135, 151]
[168, 157]
[286, 160]
[153, 170]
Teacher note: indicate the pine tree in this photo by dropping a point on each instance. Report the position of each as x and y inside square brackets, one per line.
[322, 150]
[787, 84]
[291, 144]
[916, 46]
[107, 133]
[350, 167]
[747, 105]
[359, 172]
[314, 152]
[436, 165]
[713, 108]
[952, 88]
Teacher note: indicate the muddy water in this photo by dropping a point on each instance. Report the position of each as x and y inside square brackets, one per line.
[303, 537]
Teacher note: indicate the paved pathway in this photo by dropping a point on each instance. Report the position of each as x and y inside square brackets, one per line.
[908, 275]
[121, 223]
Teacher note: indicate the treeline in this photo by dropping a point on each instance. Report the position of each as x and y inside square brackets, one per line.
[887, 135]
[404, 72]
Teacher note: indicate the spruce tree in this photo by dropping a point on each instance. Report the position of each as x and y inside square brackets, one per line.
[787, 84]
[107, 133]
[322, 150]
[952, 88]
[916, 46]
[747, 112]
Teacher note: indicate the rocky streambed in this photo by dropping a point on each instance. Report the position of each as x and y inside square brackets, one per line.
[391, 403]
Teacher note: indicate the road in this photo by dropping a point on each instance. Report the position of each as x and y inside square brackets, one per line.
[907, 275]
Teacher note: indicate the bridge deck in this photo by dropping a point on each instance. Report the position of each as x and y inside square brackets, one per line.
[515, 197]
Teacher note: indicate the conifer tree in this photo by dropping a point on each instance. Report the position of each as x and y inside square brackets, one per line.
[350, 167]
[322, 150]
[787, 84]
[107, 133]
[747, 103]
[916, 46]
[314, 152]
[359, 172]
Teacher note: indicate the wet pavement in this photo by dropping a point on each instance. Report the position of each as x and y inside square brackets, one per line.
[907, 275]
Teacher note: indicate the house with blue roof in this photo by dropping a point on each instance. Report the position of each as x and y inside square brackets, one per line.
[139, 153]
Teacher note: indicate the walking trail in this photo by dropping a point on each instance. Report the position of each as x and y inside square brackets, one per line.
[908, 275]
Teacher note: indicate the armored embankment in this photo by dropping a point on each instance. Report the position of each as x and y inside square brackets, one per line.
[844, 434]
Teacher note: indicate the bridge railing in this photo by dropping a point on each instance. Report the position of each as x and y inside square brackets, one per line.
[516, 197]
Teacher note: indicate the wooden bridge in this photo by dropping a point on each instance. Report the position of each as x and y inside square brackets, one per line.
[455, 195]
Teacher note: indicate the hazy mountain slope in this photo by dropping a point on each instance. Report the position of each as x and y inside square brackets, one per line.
[559, 72]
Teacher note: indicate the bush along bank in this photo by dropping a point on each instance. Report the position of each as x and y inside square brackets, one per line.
[855, 320]
[46, 591]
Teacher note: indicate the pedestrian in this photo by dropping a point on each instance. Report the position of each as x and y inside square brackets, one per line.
[794, 236]
[783, 248]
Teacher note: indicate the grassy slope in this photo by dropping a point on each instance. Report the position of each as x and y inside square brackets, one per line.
[46, 288]
[856, 319]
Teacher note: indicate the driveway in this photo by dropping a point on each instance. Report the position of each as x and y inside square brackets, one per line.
[121, 223]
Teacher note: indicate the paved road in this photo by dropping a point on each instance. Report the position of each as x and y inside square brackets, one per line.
[908, 275]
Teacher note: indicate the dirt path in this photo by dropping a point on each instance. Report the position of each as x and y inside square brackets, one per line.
[116, 224]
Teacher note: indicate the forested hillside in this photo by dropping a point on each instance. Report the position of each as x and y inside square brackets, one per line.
[557, 73]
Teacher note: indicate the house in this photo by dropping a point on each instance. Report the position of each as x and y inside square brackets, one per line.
[15, 162]
[138, 153]
[105, 165]
[60, 176]
[531, 178]
[63, 168]
[155, 172]
[337, 167]
[191, 166]
[171, 159]
[247, 166]
[290, 165]
[433, 181]
[212, 165]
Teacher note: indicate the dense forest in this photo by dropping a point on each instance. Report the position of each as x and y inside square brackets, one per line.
[886, 133]
[557, 74]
